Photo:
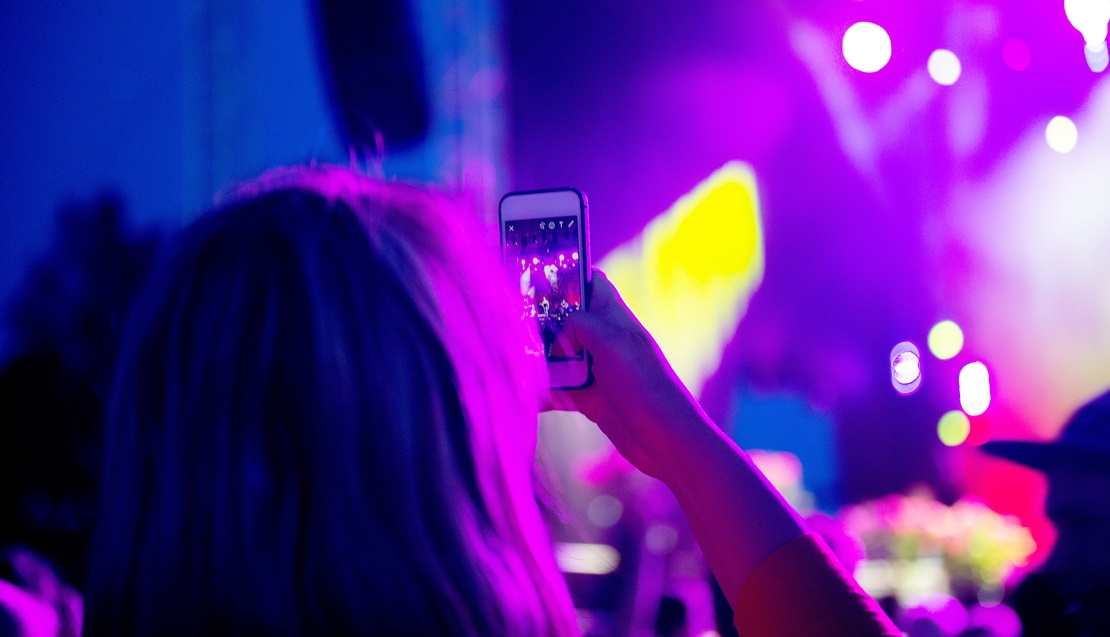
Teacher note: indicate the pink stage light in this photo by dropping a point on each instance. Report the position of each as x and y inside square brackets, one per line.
[981, 429]
[1016, 54]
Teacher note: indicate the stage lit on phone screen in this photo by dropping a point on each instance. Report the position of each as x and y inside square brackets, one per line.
[543, 255]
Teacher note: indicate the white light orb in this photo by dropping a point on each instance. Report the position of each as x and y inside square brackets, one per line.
[866, 47]
[1061, 134]
[905, 368]
[944, 67]
[1089, 17]
[1098, 59]
[975, 389]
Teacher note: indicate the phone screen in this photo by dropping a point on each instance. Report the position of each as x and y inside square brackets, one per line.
[544, 254]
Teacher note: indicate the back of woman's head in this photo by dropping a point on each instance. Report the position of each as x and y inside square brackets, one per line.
[323, 422]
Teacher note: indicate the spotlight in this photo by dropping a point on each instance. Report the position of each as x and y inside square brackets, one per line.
[1089, 17]
[944, 67]
[975, 389]
[905, 368]
[866, 47]
[1061, 134]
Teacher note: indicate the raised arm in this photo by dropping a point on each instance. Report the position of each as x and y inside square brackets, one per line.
[738, 518]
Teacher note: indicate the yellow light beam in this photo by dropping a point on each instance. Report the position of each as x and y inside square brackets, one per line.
[691, 272]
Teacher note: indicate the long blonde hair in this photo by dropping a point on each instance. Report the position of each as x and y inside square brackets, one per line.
[324, 422]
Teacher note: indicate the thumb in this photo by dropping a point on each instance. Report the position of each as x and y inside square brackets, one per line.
[603, 294]
[591, 327]
[582, 330]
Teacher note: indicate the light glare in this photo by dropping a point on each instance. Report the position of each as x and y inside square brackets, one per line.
[866, 47]
[944, 67]
[587, 559]
[604, 511]
[1061, 134]
[953, 428]
[975, 389]
[1089, 17]
[905, 368]
[946, 339]
[1097, 59]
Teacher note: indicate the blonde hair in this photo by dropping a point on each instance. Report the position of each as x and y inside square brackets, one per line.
[324, 422]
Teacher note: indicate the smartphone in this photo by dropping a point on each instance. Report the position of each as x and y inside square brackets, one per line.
[545, 240]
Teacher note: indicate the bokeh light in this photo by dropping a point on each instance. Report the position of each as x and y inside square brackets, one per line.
[905, 368]
[975, 389]
[944, 67]
[1016, 54]
[604, 511]
[661, 539]
[1061, 134]
[946, 339]
[1089, 17]
[586, 559]
[1098, 59]
[981, 430]
[866, 47]
[953, 428]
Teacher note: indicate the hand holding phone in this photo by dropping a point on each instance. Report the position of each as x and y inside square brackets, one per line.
[545, 243]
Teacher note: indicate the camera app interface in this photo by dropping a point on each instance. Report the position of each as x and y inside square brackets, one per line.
[543, 255]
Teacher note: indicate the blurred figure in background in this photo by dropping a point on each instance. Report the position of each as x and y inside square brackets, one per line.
[1069, 596]
[63, 327]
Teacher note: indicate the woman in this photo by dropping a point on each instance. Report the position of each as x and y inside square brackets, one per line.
[324, 423]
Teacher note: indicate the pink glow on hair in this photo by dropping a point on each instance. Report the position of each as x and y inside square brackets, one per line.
[431, 241]
[407, 460]
[36, 617]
